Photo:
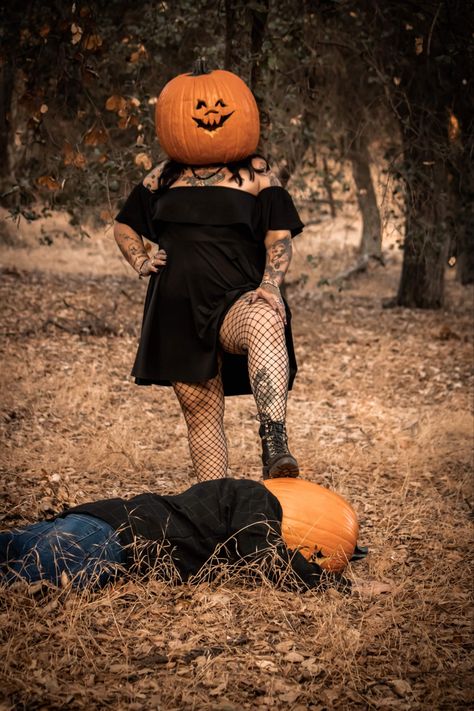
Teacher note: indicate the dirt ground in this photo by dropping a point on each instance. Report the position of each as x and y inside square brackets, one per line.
[381, 412]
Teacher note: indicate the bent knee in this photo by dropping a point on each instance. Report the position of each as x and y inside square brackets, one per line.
[266, 319]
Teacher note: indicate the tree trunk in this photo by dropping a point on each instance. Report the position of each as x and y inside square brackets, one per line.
[371, 239]
[328, 186]
[426, 243]
[6, 92]
[230, 55]
[465, 258]
[463, 185]
[259, 19]
[257, 34]
[295, 158]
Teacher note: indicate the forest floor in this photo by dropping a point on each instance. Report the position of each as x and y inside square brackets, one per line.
[381, 412]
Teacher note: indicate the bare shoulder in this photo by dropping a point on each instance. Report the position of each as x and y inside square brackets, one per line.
[260, 164]
[151, 180]
[267, 177]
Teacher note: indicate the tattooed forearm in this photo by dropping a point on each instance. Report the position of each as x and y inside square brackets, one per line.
[278, 260]
[131, 245]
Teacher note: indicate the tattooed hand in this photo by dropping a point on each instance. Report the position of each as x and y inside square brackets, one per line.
[154, 264]
[271, 294]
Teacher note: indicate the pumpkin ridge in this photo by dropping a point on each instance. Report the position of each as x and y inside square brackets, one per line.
[212, 132]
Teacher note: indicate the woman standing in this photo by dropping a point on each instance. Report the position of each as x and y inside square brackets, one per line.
[215, 323]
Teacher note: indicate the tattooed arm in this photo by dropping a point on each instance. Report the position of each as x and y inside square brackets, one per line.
[279, 251]
[133, 249]
[130, 242]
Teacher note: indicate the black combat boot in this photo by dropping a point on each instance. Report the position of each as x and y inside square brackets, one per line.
[277, 460]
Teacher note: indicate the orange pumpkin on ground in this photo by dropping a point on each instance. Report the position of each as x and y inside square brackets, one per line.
[207, 117]
[318, 522]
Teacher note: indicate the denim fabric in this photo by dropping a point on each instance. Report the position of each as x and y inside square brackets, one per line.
[86, 548]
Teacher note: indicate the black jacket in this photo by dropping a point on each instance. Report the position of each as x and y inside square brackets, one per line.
[222, 521]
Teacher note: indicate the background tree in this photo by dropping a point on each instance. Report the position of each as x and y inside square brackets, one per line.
[78, 85]
[416, 55]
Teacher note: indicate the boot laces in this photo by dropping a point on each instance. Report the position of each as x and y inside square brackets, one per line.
[275, 438]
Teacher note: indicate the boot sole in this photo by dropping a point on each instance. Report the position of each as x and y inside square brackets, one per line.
[285, 467]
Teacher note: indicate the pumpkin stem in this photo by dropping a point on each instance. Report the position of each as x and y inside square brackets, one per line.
[200, 67]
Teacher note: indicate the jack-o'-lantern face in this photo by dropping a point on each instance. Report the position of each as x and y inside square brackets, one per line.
[207, 117]
[317, 522]
[211, 118]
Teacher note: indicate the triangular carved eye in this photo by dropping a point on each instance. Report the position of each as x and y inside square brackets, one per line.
[219, 102]
[200, 104]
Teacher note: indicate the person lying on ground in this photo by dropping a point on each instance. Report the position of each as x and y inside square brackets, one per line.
[185, 537]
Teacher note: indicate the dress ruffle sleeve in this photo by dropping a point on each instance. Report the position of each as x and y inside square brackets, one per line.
[137, 212]
[276, 211]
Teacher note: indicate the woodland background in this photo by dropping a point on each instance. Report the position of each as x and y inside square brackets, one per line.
[367, 114]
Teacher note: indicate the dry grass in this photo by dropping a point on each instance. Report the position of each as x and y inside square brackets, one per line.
[381, 412]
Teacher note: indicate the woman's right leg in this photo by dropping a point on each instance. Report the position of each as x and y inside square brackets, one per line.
[203, 409]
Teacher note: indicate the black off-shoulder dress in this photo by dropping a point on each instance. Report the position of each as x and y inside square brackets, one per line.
[214, 240]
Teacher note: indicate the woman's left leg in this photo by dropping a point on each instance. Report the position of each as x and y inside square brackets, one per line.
[258, 330]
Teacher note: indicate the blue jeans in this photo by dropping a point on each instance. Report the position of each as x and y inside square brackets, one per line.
[83, 547]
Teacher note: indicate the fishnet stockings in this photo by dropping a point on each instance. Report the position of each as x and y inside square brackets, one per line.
[255, 329]
[203, 409]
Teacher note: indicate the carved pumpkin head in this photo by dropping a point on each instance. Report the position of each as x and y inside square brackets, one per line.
[207, 117]
[316, 521]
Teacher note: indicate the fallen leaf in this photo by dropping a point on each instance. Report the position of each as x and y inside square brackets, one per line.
[95, 136]
[266, 665]
[401, 687]
[116, 103]
[106, 215]
[141, 53]
[371, 588]
[92, 42]
[294, 657]
[290, 696]
[76, 32]
[47, 181]
[143, 160]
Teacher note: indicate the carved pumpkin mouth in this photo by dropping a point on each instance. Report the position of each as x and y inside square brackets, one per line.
[212, 124]
[316, 555]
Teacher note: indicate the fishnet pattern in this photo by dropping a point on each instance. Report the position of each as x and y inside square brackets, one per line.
[203, 409]
[252, 329]
[258, 330]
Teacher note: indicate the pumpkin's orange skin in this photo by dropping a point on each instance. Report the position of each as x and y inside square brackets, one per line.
[316, 521]
[181, 126]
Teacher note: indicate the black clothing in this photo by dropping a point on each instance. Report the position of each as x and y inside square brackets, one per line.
[226, 520]
[214, 240]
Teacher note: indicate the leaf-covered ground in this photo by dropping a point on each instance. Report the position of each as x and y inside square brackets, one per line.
[381, 412]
